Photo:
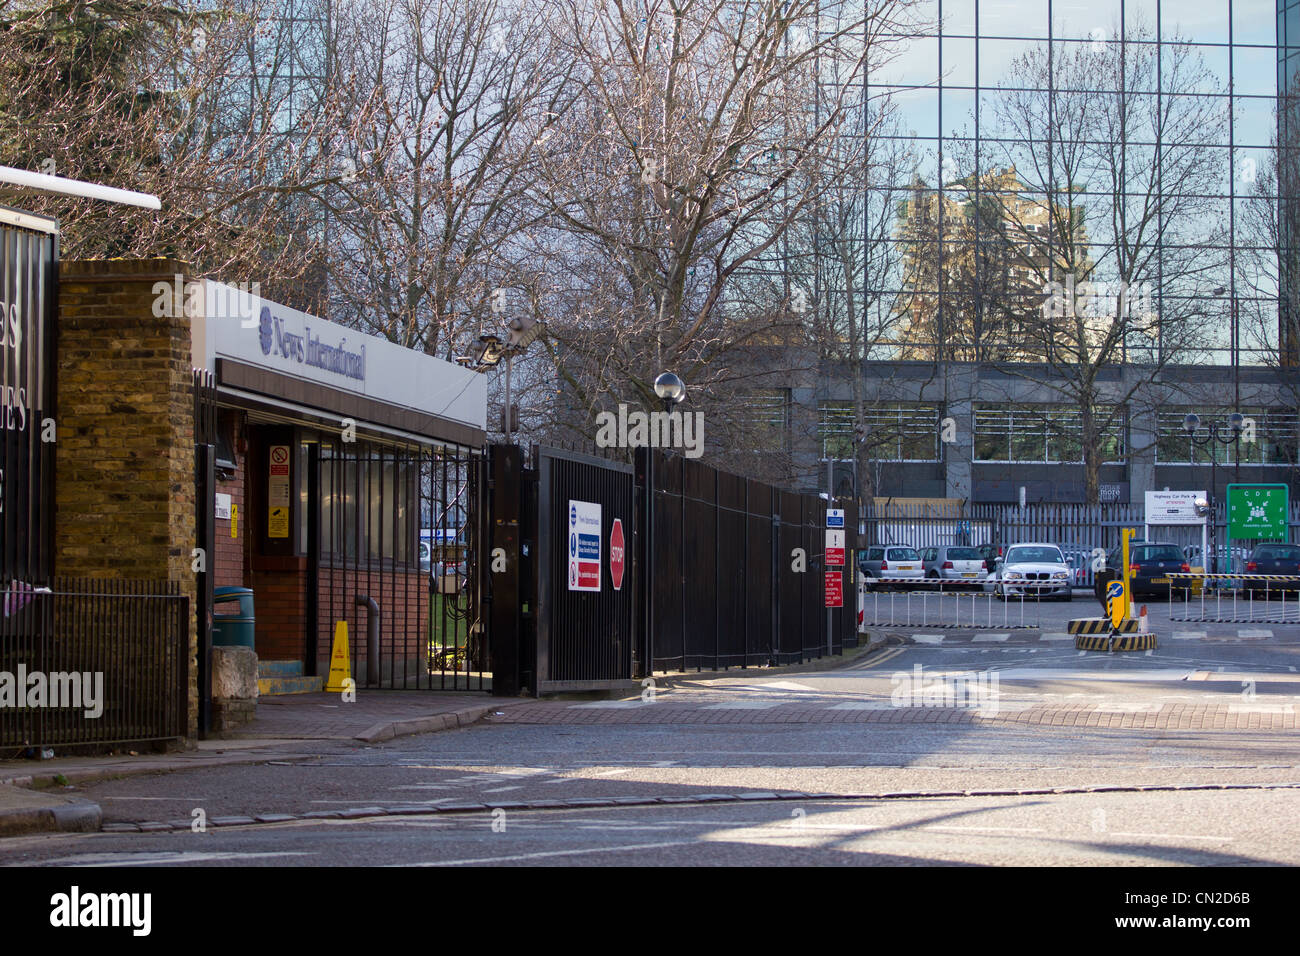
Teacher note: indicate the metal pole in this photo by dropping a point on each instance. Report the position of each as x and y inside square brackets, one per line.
[1214, 502]
[830, 500]
[509, 418]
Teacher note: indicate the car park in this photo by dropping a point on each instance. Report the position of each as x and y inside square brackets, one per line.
[991, 554]
[891, 565]
[1032, 570]
[958, 564]
[1150, 565]
[1273, 558]
[1229, 560]
[1079, 558]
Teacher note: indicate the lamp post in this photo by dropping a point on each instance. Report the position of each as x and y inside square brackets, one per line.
[1216, 433]
[671, 390]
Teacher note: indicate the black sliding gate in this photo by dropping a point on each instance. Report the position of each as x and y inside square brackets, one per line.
[717, 571]
[734, 569]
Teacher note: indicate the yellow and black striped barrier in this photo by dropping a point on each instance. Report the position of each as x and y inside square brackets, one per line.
[1100, 625]
[1121, 642]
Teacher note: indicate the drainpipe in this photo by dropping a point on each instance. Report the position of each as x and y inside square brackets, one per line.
[372, 637]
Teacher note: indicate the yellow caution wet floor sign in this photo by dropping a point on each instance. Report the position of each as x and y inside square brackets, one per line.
[340, 661]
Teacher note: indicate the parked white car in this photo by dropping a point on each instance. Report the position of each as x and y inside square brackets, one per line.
[1033, 570]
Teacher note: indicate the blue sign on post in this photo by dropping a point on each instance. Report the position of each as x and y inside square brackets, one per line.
[835, 517]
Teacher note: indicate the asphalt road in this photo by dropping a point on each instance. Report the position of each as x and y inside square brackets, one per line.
[1074, 759]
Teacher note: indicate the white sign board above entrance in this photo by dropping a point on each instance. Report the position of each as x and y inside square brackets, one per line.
[1172, 507]
[236, 324]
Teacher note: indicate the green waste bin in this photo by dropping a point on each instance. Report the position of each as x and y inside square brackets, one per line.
[233, 630]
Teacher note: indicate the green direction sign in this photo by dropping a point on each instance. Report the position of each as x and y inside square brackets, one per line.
[1257, 511]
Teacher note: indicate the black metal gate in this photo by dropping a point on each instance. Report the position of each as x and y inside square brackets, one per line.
[584, 629]
[717, 571]
[734, 570]
[394, 551]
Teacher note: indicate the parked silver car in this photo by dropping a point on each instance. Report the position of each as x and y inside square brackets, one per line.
[956, 563]
[885, 565]
[1034, 570]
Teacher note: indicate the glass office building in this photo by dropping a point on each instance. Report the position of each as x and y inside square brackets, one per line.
[1078, 109]
[1070, 188]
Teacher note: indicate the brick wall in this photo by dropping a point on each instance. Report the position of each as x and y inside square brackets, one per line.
[403, 598]
[124, 472]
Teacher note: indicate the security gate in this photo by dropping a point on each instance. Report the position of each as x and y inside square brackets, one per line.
[394, 552]
[578, 527]
[602, 573]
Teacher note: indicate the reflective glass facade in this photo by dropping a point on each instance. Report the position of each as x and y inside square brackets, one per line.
[1122, 143]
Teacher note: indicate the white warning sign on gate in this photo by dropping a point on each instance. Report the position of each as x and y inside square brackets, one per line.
[584, 546]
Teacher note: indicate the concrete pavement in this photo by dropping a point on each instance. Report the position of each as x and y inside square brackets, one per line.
[31, 797]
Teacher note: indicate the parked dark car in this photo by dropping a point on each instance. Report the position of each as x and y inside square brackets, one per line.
[1273, 558]
[1150, 564]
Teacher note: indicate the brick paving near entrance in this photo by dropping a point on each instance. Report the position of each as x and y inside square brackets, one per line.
[1167, 716]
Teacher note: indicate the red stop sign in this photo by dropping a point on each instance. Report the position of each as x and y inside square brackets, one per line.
[616, 555]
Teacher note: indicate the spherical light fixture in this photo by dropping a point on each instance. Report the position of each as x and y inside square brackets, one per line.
[670, 388]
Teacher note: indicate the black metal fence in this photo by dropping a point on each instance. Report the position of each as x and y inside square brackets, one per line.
[734, 570]
[93, 662]
[1081, 530]
[717, 571]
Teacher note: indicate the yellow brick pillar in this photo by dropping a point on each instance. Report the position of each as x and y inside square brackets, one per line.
[124, 467]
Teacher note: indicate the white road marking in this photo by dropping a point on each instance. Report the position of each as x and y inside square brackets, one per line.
[1137, 673]
[611, 704]
[553, 853]
[502, 789]
[928, 638]
[1055, 636]
[862, 705]
[1166, 836]
[991, 637]
[743, 705]
[161, 859]
[1251, 633]
[987, 829]
[1261, 709]
[1187, 636]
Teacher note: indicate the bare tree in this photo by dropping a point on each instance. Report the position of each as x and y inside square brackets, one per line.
[1107, 202]
[697, 144]
[193, 105]
[427, 231]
